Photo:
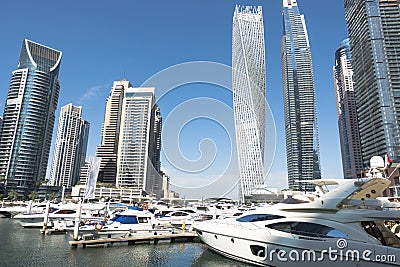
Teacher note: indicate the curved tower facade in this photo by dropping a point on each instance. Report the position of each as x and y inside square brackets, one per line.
[29, 116]
[302, 145]
[347, 112]
[248, 80]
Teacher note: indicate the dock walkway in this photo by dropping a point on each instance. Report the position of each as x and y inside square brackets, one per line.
[171, 237]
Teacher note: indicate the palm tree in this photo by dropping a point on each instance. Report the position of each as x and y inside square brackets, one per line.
[33, 195]
[53, 196]
[13, 195]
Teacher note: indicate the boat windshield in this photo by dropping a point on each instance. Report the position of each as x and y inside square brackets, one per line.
[381, 232]
[258, 217]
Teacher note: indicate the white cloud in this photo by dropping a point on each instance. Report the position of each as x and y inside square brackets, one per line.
[89, 93]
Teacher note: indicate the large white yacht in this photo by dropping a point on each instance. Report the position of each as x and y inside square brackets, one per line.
[27, 207]
[131, 222]
[346, 225]
[60, 215]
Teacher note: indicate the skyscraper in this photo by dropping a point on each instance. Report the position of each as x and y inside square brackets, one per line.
[108, 149]
[1, 124]
[302, 146]
[29, 115]
[347, 113]
[373, 29]
[70, 148]
[80, 159]
[248, 80]
[138, 158]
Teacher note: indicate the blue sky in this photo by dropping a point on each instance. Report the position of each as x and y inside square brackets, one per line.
[103, 41]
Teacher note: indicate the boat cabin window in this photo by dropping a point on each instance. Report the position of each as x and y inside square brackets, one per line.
[126, 219]
[143, 219]
[307, 229]
[258, 217]
[66, 211]
[378, 230]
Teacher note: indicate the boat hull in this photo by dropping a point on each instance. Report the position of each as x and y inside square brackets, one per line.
[258, 247]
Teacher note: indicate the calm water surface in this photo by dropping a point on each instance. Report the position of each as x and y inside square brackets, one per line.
[27, 247]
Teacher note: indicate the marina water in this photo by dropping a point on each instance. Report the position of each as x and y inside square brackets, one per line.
[27, 247]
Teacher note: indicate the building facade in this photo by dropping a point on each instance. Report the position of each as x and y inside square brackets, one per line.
[108, 149]
[373, 27]
[29, 116]
[81, 150]
[138, 161]
[84, 173]
[347, 113]
[249, 103]
[1, 124]
[302, 144]
[70, 148]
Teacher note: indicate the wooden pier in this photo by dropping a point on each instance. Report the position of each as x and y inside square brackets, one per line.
[171, 237]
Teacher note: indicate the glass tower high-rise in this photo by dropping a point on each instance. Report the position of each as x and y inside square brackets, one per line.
[248, 80]
[138, 161]
[302, 145]
[108, 149]
[347, 112]
[29, 115]
[373, 29]
[70, 148]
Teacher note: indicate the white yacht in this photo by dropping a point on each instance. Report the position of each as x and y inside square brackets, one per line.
[345, 225]
[28, 207]
[61, 215]
[218, 210]
[178, 218]
[131, 222]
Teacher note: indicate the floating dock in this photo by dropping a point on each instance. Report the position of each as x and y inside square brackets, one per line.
[171, 237]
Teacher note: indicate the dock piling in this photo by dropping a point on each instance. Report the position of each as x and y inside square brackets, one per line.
[46, 217]
[77, 222]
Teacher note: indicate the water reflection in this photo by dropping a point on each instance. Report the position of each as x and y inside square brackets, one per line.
[27, 247]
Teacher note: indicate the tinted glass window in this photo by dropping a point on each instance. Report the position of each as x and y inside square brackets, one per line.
[258, 217]
[307, 229]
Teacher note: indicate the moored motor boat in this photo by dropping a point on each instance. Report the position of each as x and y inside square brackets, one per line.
[126, 223]
[337, 227]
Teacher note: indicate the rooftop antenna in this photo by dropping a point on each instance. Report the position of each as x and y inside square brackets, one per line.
[124, 77]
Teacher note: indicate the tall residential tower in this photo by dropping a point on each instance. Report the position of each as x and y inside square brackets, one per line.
[29, 115]
[138, 158]
[347, 113]
[373, 29]
[108, 149]
[302, 145]
[70, 148]
[249, 103]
